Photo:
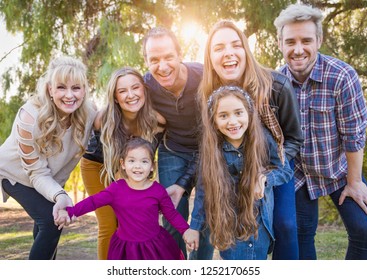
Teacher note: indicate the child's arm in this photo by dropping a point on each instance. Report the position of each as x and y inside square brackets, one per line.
[277, 173]
[170, 213]
[198, 215]
[91, 203]
[260, 187]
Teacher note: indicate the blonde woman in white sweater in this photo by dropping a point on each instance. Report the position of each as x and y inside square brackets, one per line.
[48, 137]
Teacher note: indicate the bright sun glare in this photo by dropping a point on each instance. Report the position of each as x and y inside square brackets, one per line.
[192, 32]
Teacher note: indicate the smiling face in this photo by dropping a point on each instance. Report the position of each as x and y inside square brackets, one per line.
[164, 61]
[228, 56]
[67, 96]
[137, 165]
[129, 93]
[231, 119]
[299, 45]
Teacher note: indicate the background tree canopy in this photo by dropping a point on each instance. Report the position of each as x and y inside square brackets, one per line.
[107, 34]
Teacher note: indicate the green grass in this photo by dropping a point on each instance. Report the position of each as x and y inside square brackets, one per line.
[331, 243]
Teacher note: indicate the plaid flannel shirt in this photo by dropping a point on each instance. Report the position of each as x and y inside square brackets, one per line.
[333, 121]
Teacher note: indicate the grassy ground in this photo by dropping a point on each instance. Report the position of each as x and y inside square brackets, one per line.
[78, 242]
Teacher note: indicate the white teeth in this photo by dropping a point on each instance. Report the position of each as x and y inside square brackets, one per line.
[298, 58]
[133, 102]
[69, 102]
[230, 63]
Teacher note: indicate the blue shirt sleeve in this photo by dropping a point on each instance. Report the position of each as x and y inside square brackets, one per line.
[198, 212]
[278, 174]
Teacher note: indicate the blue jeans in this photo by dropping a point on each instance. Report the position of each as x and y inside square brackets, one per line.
[353, 217]
[45, 234]
[285, 221]
[171, 166]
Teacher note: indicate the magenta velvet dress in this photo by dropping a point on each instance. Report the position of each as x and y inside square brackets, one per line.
[139, 235]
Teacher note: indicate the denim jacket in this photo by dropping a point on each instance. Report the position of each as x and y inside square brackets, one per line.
[235, 161]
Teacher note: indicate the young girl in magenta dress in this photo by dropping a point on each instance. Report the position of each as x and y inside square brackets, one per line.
[137, 202]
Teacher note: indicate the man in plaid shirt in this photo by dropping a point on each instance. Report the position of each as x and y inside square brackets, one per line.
[333, 121]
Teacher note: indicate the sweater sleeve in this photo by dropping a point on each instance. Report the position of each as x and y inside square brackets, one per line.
[33, 162]
[171, 214]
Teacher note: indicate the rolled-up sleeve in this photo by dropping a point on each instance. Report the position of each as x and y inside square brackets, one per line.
[351, 113]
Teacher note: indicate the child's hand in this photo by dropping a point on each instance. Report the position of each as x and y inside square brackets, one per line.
[63, 219]
[260, 187]
[191, 238]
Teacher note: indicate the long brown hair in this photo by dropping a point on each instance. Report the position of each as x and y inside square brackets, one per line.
[257, 79]
[230, 212]
[114, 133]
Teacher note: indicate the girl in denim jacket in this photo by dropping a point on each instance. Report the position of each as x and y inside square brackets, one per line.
[239, 166]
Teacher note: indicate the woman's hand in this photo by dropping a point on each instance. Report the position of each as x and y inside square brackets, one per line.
[62, 201]
[62, 219]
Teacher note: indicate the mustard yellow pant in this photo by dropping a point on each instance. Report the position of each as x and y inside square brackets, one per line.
[107, 222]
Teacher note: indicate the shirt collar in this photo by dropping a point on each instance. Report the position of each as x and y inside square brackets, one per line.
[228, 147]
[316, 72]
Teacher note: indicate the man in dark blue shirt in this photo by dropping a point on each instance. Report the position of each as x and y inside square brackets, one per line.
[173, 87]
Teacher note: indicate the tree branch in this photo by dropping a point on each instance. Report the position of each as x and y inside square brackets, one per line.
[9, 52]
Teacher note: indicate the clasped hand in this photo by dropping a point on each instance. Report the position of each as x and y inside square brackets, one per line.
[191, 238]
[63, 219]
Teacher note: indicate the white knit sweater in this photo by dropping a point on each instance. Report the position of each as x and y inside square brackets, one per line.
[46, 175]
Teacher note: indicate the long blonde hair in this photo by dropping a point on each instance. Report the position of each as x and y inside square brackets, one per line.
[257, 79]
[114, 133]
[61, 69]
[230, 211]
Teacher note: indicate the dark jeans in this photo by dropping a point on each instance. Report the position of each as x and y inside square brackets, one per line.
[206, 250]
[45, 234]
[285, 221]
[354, 219]
[171, 166]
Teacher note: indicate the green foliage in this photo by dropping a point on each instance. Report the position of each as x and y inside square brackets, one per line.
[75, 181]
[328, 214]
[107, 35]
[8, 110]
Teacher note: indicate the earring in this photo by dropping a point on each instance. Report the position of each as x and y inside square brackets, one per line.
[52, 98]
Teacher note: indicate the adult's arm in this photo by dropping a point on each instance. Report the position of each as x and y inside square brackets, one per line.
[288, 114]
[187, 180]
[355, 187]
[351, 119]
[185, 183]
[34, 164]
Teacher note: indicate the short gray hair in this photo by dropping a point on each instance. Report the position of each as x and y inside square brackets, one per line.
[298, 13]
